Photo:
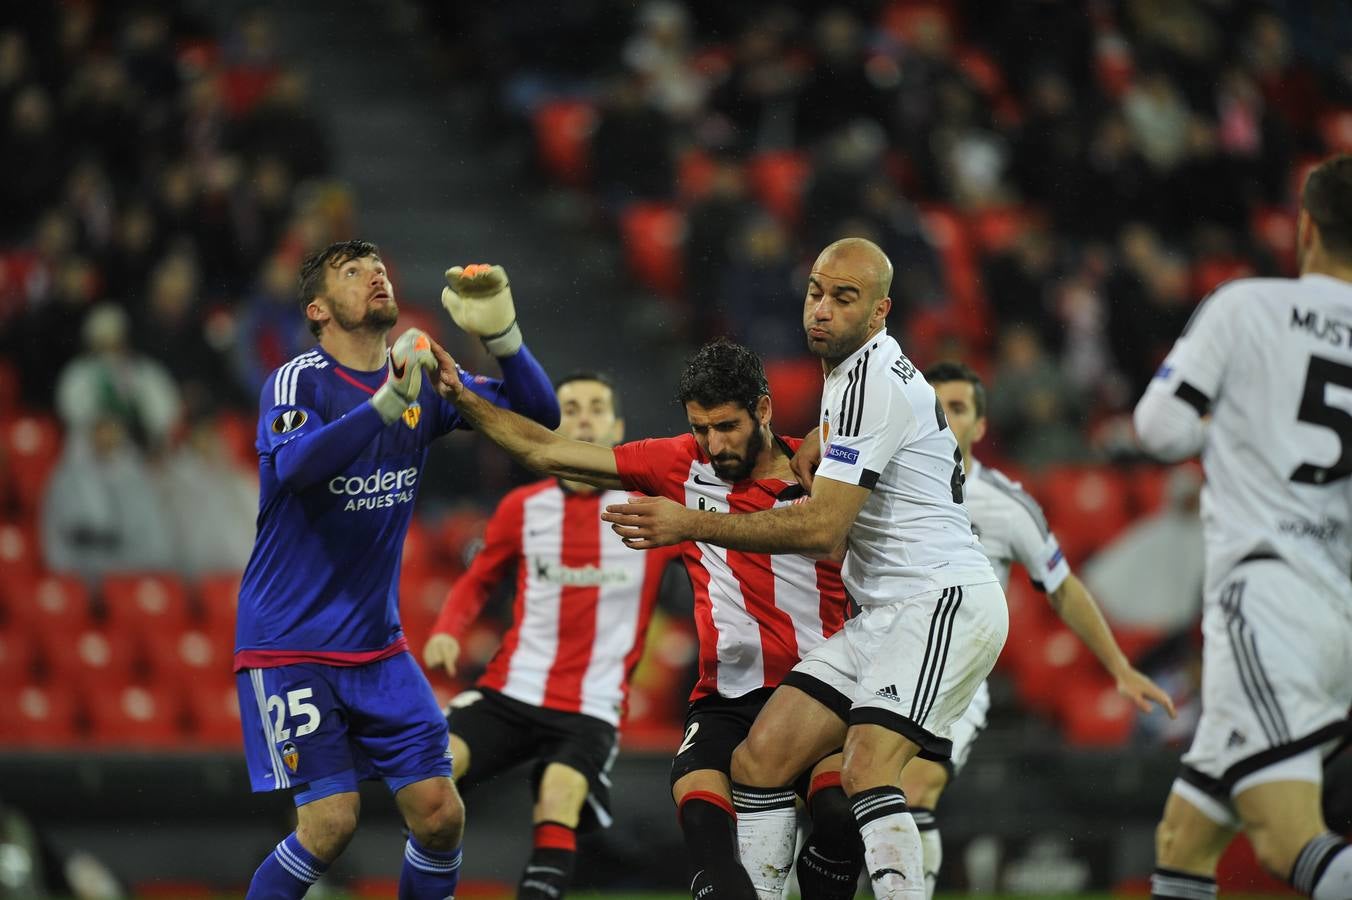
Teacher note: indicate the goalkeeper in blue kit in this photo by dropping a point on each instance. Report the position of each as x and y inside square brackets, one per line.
[329, 695]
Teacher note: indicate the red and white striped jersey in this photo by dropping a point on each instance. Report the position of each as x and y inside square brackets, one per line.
[756, 615]
[583, 600]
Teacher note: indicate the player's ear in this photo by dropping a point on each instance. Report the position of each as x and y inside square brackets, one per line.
[315, 311]
[979, 429]
[617, 431]
[880, 312]
[764, 410]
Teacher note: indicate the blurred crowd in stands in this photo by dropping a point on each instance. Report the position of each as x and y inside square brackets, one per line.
[1058, 184]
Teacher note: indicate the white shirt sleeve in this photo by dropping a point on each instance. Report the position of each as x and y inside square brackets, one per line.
[1040, 553]
[860, 446]
[1169, 417]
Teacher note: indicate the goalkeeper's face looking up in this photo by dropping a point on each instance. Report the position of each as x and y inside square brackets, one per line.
[345, 286]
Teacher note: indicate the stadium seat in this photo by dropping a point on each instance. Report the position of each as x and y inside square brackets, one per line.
[19, 552]
[145, 602]
[34, 715]
[1239, 873]
[1057, 661]
[89, 658]
[1086, 507]
[1213, 271]
[777, 178]
[187, 657]
[796, 386]
[238, 433]
[46, 603]
[653, 234]
[9, 388]
[994, 229]
[18, 659]
[1031, 619]
[418, 546]
[1094, 714]
[32, 446]
[949, 235]
[214, 713]
[1148, 487]
[135, 716]
[563, 134]
[217, 597]
[905, 19]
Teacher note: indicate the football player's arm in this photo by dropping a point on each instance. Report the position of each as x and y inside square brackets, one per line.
[1076, 607]
[304, 448]
[1171, 417]
[472, 590]
[524, 388]
[815, 527]
[529, 443]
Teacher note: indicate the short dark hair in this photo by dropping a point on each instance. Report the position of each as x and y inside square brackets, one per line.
[723, 372]
[956, 371]
[599, 378]
[312, 270]
[1327, 197]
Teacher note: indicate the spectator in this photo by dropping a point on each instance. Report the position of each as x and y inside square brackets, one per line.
[754, 286]
[111, 381]
[1150, 576]
[712, 225]
[1033, 406]
[32, 158]
[101, 513]
[210, 503]
[632, 147]
[283, 127]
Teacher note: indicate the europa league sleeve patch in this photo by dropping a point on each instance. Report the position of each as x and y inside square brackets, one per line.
[289, 421]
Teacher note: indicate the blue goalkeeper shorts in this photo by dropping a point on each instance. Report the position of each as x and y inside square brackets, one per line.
[318, 730]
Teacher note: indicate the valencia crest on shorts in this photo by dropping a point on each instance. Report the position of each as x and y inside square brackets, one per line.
[290, 755]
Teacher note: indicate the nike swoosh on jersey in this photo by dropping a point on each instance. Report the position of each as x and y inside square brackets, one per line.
[699, 480]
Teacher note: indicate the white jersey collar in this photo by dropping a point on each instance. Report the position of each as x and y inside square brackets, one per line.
[849, 361]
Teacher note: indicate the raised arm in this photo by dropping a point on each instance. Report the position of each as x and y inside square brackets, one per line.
[529, 443]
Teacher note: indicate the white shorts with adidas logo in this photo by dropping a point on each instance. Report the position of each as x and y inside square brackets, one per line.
[915, 665]
[1276, 678]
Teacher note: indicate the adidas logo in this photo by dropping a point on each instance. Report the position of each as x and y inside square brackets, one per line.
[888, 693]
[1236, 739]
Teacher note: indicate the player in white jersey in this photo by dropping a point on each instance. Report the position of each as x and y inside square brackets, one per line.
[756, 614]
[1259, 383]
[892, 683]
[1011, 528]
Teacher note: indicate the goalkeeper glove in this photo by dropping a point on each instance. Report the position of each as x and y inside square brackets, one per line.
[479, 299]
[411, 353]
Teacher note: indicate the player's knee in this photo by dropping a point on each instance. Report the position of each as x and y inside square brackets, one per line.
[758, 763]
[1166, 845]
[326, 831]
[439, 825]
[563, 790]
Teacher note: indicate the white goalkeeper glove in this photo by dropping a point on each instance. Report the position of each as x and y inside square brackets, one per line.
[411, 353]
[479, 299]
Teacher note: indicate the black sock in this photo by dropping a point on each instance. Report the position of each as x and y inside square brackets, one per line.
[711, 838]
[1167, 884]
[550, 867]
[833, 856]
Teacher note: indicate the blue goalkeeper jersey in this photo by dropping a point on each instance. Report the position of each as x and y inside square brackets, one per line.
[336, 492]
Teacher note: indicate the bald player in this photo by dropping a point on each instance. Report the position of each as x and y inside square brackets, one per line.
[891, 684]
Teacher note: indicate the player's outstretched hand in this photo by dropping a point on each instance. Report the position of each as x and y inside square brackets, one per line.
[441, 651]
[1139, 689]
[411, 353]
[479, 299]
[647, 522]
[446, 377]
[809, 456]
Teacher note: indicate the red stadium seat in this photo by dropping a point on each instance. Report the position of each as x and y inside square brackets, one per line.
[1148, 487]
[796, 387]
[417, 546]
[1058, 660]
[135, 716]
[38, 716]
[950, 237]
[1031, 619]
[150, 601]
[187, 657]
[905, 19]
[9, 388]
[653, 234]
[238, 433]
[1096, 715]
[563, 134]
[1086, 507]
[19, 551]
[1239, 873]
[46, 603]
[695, 172]
[18, 659]
[995, 229]
[215, 714]
[32, 445]
[91, 657]
[218, 596]
[777, 178]
[1213, 271]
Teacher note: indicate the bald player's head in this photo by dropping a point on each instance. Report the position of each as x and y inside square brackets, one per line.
[847, 300]
[861, 259]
